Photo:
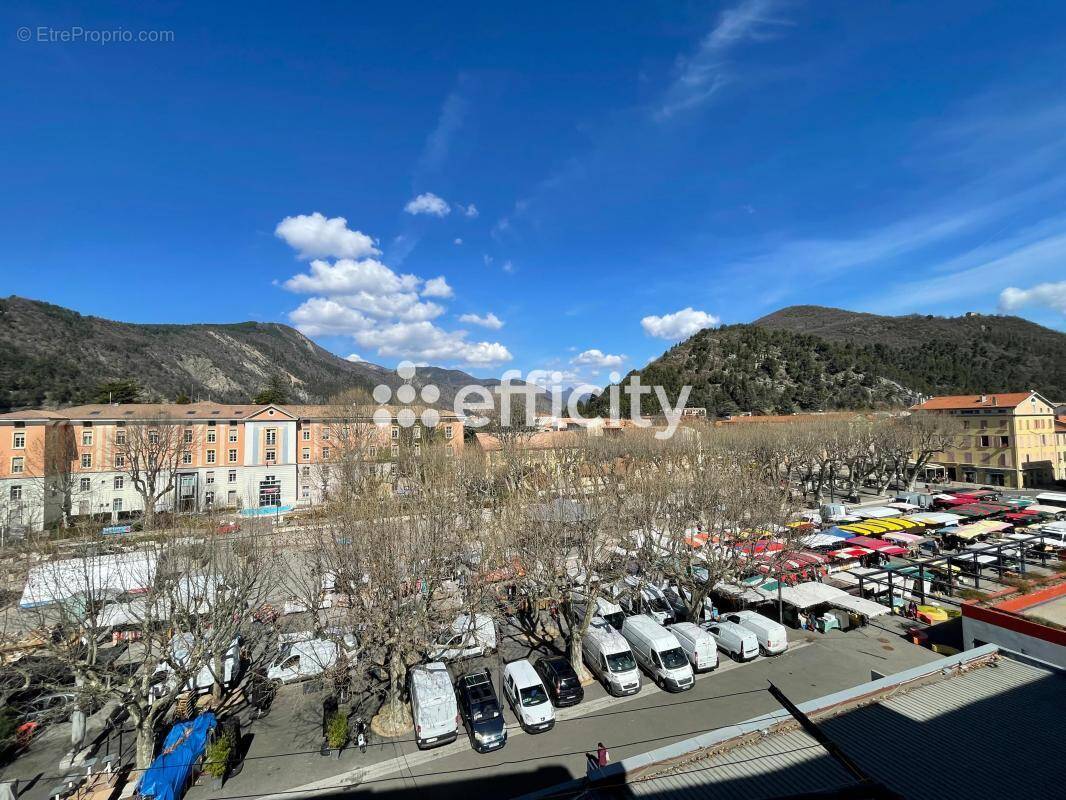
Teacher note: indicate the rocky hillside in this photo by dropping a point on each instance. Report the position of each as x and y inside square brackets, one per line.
[51, 356]
[811, 358]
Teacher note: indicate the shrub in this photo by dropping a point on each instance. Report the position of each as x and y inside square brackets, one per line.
[218, 756]
[337, 731]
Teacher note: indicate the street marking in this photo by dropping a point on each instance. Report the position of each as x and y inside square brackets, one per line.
[405, 763]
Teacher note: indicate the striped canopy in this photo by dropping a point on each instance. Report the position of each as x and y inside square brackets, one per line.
[873, 527]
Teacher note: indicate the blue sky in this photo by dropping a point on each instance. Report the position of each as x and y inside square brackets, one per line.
[601, 179]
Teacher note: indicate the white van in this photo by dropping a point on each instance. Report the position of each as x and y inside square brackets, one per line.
[700, 647]
[306, 658]
[433, 706]
[659, 653]
[605, 609]
[609, 657]
[470, 635]
[181, 646]
[772, 636]
[740, 643]
[528, 698]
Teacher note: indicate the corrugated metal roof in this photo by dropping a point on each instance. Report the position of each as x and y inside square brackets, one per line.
[989, 731]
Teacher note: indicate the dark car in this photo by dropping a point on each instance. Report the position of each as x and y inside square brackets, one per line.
[559, 678]
[480, 710]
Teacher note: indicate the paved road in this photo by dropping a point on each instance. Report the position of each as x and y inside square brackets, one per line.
[817, 665]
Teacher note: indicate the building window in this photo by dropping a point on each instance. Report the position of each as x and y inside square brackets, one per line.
[188, 436]
[373, 451]
[271, 456]
[985, 441]
[210, 478]
[418, 432]
[395, 433]
[305, 492]
[16, 492]
[86, 461]
[18, 440]
[307, 454]
[448, 433]
[325, 453]
[306, 472]
[418, 449]
[231, 497]
[120, 482]
[116, 504]
[395, 450]
[233, 434]
[232, 456]
[120, 461]
[1004, 441]
[120, 436]
[272, 435]
[153, 437]
[211, 436]
[186, 458]
[210, 456]
[84, 485]
[307, 434]
[87, 437]
[209, 499]
[325, 434]
[232, 476]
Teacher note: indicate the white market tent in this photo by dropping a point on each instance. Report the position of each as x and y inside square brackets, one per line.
[860, 605]
[875, 512]
[1042, 509]
[807, 595]
[96, 577]
[934, 518]
[816, 540]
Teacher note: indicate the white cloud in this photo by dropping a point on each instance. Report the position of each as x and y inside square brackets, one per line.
[424, 341]
[314, 235]
[490, 320]
[467, 210]
[679, 325]
[319, 316]
[437, 287]
[346, 276]
[1050, 295]
[355, 358]
[700, 75]
[597, 358]
[458, 240]
[508, 266]
[428, 203]
[400, 305]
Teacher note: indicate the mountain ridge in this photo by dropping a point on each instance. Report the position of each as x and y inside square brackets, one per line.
[52, 356]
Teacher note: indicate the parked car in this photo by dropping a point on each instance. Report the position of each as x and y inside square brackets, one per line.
[659, 653]
[182, 648]
[700, 647]
[480, 711]
[470, 635]
[560, 680]
[772, 636]
[433, 706]
[605, 609]
[608, 655]
[525, 691]
[737, 641]
[306, 658]
[228, 527]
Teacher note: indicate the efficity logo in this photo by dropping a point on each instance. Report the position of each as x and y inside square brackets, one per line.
[477, 405]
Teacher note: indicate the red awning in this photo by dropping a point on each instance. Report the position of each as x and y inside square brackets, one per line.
[850, 552]
[873, 544]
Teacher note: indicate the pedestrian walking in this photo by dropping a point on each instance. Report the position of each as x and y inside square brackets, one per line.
[602, 756]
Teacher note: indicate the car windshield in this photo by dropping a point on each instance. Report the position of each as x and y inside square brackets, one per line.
[658, 604]
[621, 662]
[484, 710]
[673, 659]
[533, 696]
[615, 620]
[567, 683]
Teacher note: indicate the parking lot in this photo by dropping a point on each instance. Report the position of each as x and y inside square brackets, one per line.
[283, 755]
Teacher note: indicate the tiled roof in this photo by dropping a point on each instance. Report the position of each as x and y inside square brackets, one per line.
[962, 401]
[188, 411]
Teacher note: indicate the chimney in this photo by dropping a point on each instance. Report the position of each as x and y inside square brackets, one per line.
[995, 401]
[984, 399]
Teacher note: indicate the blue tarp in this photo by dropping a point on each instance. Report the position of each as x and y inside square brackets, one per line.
[838, 533]
[186, 742]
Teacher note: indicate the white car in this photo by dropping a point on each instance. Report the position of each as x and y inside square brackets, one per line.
[470, 635]
[528, 698]
[736, 641]
[772, 636]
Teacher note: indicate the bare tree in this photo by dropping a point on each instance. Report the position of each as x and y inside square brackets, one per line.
[152, 452]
